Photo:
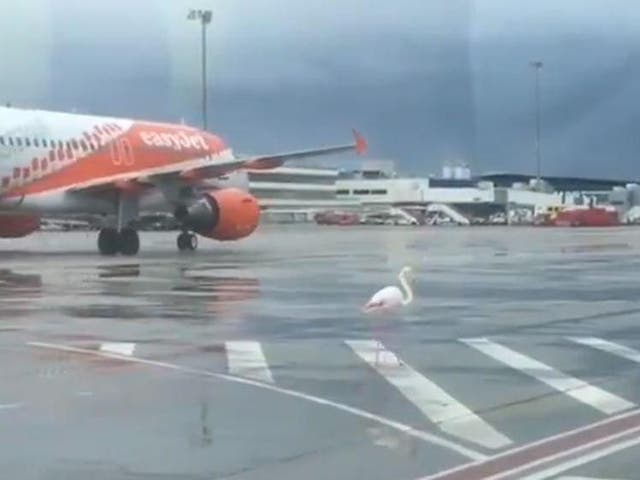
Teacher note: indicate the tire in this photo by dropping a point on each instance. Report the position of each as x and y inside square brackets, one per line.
[108, 240]
[182, 241]
[187, 241]
[129, 242]
[192, 241]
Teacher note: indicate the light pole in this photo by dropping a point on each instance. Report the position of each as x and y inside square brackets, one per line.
[537, 64]
[204, 17]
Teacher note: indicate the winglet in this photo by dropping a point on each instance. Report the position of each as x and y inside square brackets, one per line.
[361, 142]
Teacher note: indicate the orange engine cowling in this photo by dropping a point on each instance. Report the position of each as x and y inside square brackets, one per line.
[18, 225]
[227, 214]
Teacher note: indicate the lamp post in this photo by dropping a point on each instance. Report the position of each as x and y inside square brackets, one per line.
[537, 65]
[204, 17]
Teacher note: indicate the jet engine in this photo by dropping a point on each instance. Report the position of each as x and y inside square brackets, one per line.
[226, 214]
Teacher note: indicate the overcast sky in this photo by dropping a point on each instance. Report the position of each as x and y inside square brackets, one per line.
[426, 80]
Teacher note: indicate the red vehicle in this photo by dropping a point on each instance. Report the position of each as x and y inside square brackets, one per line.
[336, 218]
[591, 217]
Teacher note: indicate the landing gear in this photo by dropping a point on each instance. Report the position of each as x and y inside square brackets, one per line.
[110, 241]
[129, 242]
[187, 241]
[119, 237]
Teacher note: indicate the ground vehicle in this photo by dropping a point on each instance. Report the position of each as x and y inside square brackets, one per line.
[336, 218]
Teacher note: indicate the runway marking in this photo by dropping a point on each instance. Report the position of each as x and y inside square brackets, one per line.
[586, 458]
[609, 347]
[10, 406]
[246, 359]
[580, 390]
[122, 348]
[437, 405]
[401, 427]
[578, 455]
[509, 464]
[573, 477]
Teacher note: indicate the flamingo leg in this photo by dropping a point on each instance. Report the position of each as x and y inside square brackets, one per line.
[387, 336]
[377, 335]
[378, 345]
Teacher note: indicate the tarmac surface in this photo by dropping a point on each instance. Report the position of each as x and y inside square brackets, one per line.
[519, 357]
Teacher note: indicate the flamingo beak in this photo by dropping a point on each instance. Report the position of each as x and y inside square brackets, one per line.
[372, 307]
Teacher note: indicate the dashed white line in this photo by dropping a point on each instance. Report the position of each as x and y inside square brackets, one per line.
[609, 347]
[10, 406]
[580, 390]
[437, 405]
[246, 359]
[403, 428]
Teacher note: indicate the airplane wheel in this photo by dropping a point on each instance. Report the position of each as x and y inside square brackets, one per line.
[182, 241]
[108, 241]
[187, 241]
[193, 241]
[129, 241]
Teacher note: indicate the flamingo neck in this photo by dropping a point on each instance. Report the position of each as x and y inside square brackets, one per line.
[408, 298]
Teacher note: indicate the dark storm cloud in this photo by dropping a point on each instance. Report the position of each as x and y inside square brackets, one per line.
[426, 81]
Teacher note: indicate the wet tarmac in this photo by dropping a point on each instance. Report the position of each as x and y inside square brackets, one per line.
[252, 360]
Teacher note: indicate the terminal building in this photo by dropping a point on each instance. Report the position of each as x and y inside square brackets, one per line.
[297, 193]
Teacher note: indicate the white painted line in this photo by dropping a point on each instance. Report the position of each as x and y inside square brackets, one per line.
[609, 347]
[437, 405]
[121, 348]
[246, 359]
[586, 458]
[401, 427]
[9, 406]
[580, 390]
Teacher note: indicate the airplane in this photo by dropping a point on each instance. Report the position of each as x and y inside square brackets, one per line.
[64, 163]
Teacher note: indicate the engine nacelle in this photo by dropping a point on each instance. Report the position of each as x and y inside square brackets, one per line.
[14, 225]
[227, 214]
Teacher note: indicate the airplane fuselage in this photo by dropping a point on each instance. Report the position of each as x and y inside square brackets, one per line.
[47, 159]
[54, 162]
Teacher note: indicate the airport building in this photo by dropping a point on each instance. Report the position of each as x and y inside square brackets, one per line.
[295, 194]
[375, 191]
[455, 196]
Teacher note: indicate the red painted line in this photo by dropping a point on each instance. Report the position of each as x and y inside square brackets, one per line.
[589, 450]
[540, 450]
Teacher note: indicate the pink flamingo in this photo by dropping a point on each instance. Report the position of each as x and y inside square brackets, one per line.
[390, 297]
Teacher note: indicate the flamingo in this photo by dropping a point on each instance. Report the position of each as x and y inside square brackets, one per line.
[390, 297]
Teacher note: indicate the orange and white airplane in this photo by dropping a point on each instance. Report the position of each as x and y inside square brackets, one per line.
[61, 163]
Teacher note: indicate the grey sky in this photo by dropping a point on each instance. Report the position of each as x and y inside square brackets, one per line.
[426, 81]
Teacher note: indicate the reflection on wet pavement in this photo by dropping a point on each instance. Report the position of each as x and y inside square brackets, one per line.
[119, 271]
[287, 302]
[11, 281]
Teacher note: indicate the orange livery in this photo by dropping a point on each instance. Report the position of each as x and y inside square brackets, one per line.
[52, 162]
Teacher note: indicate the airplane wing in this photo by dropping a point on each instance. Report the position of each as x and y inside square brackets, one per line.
[206, 169]
[267, 162]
